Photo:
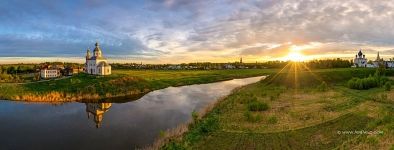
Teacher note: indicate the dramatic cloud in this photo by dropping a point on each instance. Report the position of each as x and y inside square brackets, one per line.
[183, 30]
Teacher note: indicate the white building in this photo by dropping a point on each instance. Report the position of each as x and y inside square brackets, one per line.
[360, 60]
[390, 64]
[49, 73]
[97, 64]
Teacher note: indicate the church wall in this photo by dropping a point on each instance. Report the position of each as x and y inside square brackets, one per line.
[91, 65]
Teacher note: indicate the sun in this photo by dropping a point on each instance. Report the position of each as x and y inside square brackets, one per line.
[295, 56]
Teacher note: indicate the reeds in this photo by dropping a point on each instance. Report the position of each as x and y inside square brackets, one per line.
[55, 96]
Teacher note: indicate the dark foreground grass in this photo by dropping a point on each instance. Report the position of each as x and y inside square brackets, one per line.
[322, 136]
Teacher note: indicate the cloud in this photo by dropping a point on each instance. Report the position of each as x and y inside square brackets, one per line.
[157, 29]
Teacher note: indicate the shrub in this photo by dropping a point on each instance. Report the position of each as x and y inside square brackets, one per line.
[202, 127]
[257, 106]
[366, 83]
[387, 86]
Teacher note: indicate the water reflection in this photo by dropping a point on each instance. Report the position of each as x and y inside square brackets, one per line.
[97, 110]
[130, 125]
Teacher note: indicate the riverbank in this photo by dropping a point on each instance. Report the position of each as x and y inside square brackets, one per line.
[134, 124]
[306, 109]
[121, 84]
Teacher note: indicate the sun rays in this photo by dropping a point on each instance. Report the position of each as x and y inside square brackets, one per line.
[293, 74]
[295, 54]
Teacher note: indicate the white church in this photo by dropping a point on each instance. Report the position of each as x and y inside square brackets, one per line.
[361, 61]
[97, 64]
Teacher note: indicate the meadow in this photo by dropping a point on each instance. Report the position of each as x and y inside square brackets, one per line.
[307, 109]
[121, 83]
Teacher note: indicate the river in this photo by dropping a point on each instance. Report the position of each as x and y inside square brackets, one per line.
[97, 126]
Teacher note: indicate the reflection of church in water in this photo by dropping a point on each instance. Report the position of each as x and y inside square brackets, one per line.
[97, 110]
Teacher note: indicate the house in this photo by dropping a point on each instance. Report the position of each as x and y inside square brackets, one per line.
[97, 64]
[390, 64]
[47, 72]
[229, 66]
[71, 70]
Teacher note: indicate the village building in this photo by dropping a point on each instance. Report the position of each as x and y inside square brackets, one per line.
[71, 70]
[361, 61]
[49, 73]
[97, 64]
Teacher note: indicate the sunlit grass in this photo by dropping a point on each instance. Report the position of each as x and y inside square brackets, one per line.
[300, 110]
[121, 83]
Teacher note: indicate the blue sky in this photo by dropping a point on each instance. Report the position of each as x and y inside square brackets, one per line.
[173, 31]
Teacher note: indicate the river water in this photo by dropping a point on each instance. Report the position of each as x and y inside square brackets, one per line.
[97, 126]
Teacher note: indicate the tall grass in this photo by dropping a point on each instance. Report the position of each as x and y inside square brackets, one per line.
[257, 106]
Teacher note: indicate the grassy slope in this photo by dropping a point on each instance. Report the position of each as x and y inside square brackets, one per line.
[306, 118]
[321, 136]
[122, 82]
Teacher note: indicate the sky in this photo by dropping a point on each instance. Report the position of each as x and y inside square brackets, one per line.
[176, 31]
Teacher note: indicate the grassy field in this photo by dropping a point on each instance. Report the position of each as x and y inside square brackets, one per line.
[121, 83]
[308, 109]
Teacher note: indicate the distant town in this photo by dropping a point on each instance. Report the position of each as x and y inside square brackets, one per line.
[96, 64]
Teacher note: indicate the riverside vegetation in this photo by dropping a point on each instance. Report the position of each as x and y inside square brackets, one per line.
[121, 83]
[298, 108]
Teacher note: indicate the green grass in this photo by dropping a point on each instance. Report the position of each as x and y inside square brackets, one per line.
[321, 136]
[257, 106]
[123, 82]
[330, 76]
[307, 108]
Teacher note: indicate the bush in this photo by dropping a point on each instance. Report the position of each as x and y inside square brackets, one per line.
[387, 86]
[257, 106]
[202, 127]
[366, 83]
